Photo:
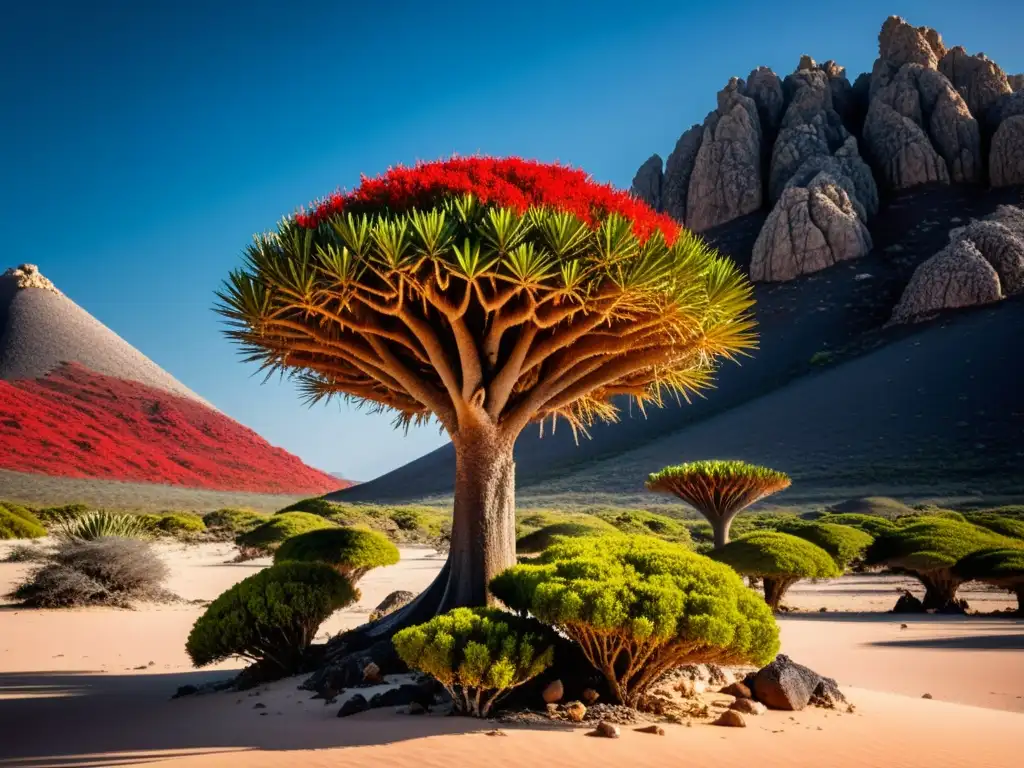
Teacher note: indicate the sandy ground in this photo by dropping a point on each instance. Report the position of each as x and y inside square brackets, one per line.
[92, 687]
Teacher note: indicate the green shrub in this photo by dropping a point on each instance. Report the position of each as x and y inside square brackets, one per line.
[477, 654]
[1011, 527]
[870, 524]
[271, 617]
[928, 548]
[638, 607]
[266, 538]
[544, 537]
[1015, 511]
[719, 490]
[179, 524]
[101, 571]
[19, 510]
[930, 510]
[350, 551]
[999, 566]
[314, 506]
[878, 506]
[642, 522]
[54, 515]
[101, 524]
[233, 521]
[15, 526]
[779, 560]
[844, 543]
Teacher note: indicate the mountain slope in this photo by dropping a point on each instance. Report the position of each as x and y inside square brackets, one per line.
[77, 401]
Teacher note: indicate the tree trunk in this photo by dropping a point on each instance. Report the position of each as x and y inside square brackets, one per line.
[484, 523]
[774, 590]
[721, 526]
[939, 589]
[483, 542]
[1019, 591]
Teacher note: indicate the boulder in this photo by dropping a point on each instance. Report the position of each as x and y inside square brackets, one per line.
[575, 711]
[354, 705]
[1001, 247]
[1006, 157]
[907, 603]
[748, 707]
[647, 183]
[810, 228]
[346, 670]
[957, 276]
[850, 172]
[979, 79]
[606, 730]
[726, 179]
[900, 44]
[827, 695]
[784, 684]
[408, 693]
[737, 689]
[899, 150]
[391, 603]
[731, 719]
[678, 170]
[553, 692]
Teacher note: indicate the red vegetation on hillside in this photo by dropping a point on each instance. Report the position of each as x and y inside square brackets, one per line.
[509, 182]
[78, 423]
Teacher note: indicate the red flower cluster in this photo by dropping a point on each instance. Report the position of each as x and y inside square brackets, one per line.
[510, 182]
[78, 423]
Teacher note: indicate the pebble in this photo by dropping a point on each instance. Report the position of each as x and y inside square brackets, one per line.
[657, 730]
[926, 696]
[731, 719]
[606, 730]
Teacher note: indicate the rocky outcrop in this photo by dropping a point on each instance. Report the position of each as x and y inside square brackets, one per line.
[809, 229]
[957, 276]
[1016, 82]
[784, 684]
[1006, 156]
[899, 150]
[29, 276]
[647, 183]
[765, 88]
[678, 170]
[984, 262]
[900, 44]
[979, 79]
[726, 179]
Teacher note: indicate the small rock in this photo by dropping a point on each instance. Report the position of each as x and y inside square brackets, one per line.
[496, 732]
[576, 711]
[606, 730]
[259, 705]
[185, 690]
[552, 710]
[731, 719]
[926, 696]
[354, 705]
[553, 692]
[903, 626]
[739, 690]
[862, 276]
[657, 730]
[590, 696]
[415, 708]
[823, 609]
[748, 707]
[908, 604]
[371, 673]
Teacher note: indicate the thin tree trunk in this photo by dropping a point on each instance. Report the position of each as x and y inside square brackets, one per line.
[1019, 591]
[721, 526]
[774, 590]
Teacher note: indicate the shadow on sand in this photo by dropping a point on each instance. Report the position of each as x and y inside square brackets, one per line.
[61, 719]
[967, 643]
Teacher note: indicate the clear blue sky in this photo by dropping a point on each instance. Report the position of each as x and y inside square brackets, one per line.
[143, 143]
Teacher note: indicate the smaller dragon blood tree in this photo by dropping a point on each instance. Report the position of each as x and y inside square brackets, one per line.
[719, 490]
[487, 293]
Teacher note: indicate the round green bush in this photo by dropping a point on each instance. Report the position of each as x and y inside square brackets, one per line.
[638, 606]
[233, 520]
[642, 522]
[350, 551]
[874, 506]
[477, 654]
[779, 560]
[16, 526]
[271, 617]
[266, 538]
[1004, 526]
[315, 506]
[179, 524]
[844, 543]
[55, 515]
[542, 538]
[928, 548]
[870, 524]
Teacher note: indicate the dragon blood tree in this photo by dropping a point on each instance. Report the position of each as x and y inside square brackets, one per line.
[719, 490]
[486, 293]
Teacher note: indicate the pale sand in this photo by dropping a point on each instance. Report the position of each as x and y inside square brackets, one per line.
[70, 693]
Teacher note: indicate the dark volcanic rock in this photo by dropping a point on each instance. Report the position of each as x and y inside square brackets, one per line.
[354, 706]
[908, 604]
[647, 184]
[343, 670]
[827, 695]
[397, 599]
[408, 693]
[784, 684]
[678, 170]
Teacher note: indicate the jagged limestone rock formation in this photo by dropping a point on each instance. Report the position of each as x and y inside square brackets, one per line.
[983, 263]
[899, 44]
[647, 184]
[1006, 155]
[811, 227]
[678, 170]
[765, 88]
[726, 179]
[979, 79]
